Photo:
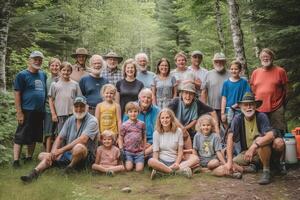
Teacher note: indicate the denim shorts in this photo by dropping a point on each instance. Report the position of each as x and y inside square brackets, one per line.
[135, 157]
[166, 162]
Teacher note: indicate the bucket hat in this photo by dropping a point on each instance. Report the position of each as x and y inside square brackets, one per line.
[113, 55]
[80, 51]
[249, 98]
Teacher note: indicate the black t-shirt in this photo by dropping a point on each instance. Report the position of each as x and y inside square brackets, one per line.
[128, 91]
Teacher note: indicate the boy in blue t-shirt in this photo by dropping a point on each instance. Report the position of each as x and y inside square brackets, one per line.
[233, 91]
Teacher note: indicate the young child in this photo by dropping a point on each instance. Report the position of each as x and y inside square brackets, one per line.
[233, 91]
[108, 112]
[207, 145]
[132, 138]
[62, 94]
[49, 126]
[108, 156]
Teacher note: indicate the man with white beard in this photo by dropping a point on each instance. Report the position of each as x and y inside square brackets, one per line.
[252, 139]
[74, 147]
[30, 97]
[143, 75]
[91, 84]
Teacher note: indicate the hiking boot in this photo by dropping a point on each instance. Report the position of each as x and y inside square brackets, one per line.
[186, 172]
[250, 168]
[16, 164]
[110, 173]
[265, 178]
[236, 175]
[34, 174]
[153, 174]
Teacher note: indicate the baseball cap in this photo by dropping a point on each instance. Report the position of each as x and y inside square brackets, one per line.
[80, 99]
[194, 53]
[36, 54]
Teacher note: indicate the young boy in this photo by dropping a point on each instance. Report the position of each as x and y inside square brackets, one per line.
[108, 156]
[132, 138]
[62, 95]
[233, 91]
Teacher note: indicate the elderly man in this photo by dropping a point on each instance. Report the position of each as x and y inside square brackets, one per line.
[143, 75]
[213, 83]
[187, 110]
[200, 72]
[112, 73]
[148, 114]
[30, 97]
[91, 84]
[79, 69]
[75, 146]
[269, 83]
[252, 138]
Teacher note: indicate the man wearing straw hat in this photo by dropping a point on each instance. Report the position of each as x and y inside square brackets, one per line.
[252, 139]
[79, 69]
[112, 73]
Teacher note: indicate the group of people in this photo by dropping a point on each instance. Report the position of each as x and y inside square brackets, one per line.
[179, 121]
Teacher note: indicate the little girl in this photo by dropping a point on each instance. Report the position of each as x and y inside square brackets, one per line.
[108, 112]
[49, 126]
[207, 145]
[62, 95]
[132, 138]
[108, 156]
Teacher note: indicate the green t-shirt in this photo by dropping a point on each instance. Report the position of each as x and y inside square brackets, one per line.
[251, 131]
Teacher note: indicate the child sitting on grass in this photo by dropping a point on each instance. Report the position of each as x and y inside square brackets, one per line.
[108, 156]
[207, 145]
[132, 138]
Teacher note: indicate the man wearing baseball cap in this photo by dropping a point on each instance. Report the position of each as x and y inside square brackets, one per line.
[30, 98]
[74, 147]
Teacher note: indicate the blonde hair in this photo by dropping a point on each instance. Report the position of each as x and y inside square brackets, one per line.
[132, 106]
[180, 54]
[127, 62]
[53, 60]
[159, 127]
[108, 86]
[65, 64]
[108, 133]
[206, 118]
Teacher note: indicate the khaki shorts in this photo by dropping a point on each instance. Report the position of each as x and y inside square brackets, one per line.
[277, 119]
[239, 159]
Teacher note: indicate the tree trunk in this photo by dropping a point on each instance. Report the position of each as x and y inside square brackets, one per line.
[219, 26]
[237, 35]
[5, 7]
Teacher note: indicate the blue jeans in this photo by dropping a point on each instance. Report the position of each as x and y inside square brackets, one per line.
[135, 157]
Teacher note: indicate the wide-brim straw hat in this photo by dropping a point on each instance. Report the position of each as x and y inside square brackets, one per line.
[80, 51]
[249, 98]
[189, 87]
[113, 55]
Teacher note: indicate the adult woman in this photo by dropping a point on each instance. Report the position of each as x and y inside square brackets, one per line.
[128, 88]
[164, 86]
[168, 147]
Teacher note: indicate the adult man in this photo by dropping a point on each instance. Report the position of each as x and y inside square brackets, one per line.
[182, 73]
[30, 97]
[200, 72]
[91, 84]
[213, 83]
[269, 83]
[187, 110]
[143, 75]
[252, 138]
[148, 114]
[79, 69]
[112, 73]
[75, 145]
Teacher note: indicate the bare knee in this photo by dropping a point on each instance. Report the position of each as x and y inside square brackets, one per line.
[278, 144]
[79, 150]
[151, 162]
[213, 164]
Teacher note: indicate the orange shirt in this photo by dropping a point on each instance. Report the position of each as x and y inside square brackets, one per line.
[270, 87]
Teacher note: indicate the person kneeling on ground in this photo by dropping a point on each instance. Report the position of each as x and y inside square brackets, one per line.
[79, 134]
[168, 147]
[207, 145]
[253, 139]
[108, 156]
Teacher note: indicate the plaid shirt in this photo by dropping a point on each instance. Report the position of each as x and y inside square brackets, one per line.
[113, 76]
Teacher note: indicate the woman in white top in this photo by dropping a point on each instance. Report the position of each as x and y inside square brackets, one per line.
[168, 147]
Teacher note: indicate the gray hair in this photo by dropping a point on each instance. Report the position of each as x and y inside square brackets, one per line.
[145, 90]
[139, 55]
[101, 59]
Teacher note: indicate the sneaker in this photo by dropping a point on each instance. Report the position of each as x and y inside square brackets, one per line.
[265, 178]
[34, 174]
[250, 168]
[237, 175]
[110, 173]
[16, 164]
[153, 174]
[186, 172]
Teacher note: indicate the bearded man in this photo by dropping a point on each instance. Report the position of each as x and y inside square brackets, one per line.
[91, 84]
[75, 146]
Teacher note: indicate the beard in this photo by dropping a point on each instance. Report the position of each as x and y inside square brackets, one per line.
[248, 113]
[267, 64]
[36, 66]
[219, 69]
[80, 115]
[95, 72]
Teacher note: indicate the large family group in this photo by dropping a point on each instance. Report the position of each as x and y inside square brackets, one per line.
[179, 121]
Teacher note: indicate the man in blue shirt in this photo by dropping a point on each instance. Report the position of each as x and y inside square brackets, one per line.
[30, 97]
[91, 84]
[143, 75]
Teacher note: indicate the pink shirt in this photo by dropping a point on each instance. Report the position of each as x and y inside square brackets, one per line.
[109, 156]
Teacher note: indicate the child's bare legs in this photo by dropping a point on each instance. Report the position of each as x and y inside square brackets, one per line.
[191, 161]
[221, 171]
[212, 164]
[104, 169]
[128, 165]
[159, 166]
[139, 167]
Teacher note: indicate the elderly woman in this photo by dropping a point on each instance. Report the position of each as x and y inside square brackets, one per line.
[128, 88]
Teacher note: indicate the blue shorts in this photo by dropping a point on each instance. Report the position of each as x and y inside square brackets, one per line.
[166, 162]
[135, 157]
[64, 160]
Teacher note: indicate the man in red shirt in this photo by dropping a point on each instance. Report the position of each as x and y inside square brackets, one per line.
[269, 84]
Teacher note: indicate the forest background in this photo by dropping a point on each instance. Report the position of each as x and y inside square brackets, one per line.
[161, 28]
